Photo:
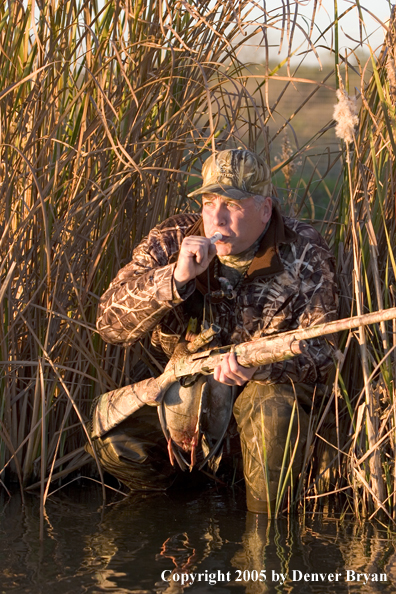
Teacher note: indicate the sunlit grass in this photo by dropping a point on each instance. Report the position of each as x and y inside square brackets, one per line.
[107, 111]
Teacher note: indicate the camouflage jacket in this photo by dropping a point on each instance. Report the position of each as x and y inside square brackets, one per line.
[289, 284]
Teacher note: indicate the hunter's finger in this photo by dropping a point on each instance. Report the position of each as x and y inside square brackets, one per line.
[231, 367]
[218, 373]
[233, 363]
[201, 254]
[245, 373]
[232, 380]
[228, 381]
[220, 376]
[225, 366]
[227, 375]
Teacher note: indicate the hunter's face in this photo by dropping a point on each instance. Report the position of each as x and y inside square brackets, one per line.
[239, 221]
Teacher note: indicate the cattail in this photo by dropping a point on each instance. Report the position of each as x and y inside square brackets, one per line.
[345, 116]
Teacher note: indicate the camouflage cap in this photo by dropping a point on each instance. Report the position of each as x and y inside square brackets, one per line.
[235, 173]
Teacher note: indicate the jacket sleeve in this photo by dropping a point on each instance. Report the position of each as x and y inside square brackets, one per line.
[316, 303]
[143, 292]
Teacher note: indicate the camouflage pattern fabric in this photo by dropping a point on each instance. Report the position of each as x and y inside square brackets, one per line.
[235, 173]
[136, 452]
[264, 414]
[290, 283]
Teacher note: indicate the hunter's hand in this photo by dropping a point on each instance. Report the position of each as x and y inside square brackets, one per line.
[229, 372]
[195, 256]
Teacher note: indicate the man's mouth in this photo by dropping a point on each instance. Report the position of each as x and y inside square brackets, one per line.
[224, 238]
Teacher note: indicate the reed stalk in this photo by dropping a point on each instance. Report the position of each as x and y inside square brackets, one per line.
[367, 246]
[107, 112]
[104, 113]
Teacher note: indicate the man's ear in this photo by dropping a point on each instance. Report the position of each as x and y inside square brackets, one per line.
[266, 210]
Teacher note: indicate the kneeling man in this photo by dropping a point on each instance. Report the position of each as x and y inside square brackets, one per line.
[266, 274]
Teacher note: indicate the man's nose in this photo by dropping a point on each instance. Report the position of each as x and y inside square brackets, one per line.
[219, 215]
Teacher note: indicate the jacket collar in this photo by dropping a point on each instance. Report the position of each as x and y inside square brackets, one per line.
[267, 260]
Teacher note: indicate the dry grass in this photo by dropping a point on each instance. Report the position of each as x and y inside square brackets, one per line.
[106, 114]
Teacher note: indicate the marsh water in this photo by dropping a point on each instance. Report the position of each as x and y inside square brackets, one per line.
[201, 542]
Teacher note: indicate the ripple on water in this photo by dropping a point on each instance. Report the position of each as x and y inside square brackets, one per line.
[202, 542]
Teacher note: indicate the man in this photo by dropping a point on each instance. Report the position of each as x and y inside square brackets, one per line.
[267, 274]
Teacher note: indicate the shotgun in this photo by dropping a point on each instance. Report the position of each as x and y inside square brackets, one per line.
[114, 407]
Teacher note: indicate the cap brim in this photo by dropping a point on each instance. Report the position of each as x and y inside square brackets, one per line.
[226, 191]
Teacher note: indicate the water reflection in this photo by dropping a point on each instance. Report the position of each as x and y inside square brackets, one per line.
[201, 543]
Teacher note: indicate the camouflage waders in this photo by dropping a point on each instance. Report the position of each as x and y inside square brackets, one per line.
[264, 414]
[136, 451]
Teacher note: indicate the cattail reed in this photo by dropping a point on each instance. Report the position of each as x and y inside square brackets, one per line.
[345, 116]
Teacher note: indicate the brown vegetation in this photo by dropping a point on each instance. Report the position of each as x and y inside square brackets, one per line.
[106, 115]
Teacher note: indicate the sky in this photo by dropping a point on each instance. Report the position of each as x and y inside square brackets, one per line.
[373, 11]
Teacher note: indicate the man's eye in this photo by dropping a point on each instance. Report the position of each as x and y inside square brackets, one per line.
[234, 206]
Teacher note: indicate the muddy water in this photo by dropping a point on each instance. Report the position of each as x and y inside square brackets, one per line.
[196, 542]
